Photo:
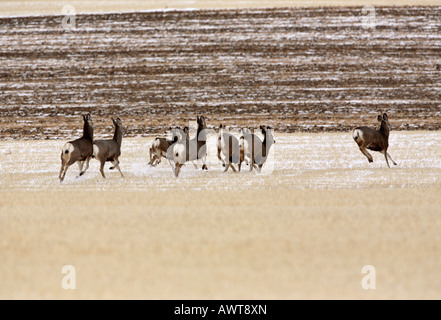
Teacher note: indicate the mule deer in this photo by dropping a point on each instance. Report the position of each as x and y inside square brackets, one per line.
[192, 149]
[161, 147]
[256, 149]
[110, 150]
[80, 150]
[375, 140]
[230, 148]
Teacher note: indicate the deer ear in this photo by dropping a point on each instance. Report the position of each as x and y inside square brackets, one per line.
[385, 117]
[380, 118]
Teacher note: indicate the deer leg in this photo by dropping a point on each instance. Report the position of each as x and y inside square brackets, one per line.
[151, 157]
[116, 165]
[367, 154]
[119, 169]
[219, 156]
[154, 162]
[171, 164]
[177, 168]
[391, 159]
[63, 173]
[87, 166]
[232, 167]
[251, 162]
[60, 176]
[204, 165]
[102, 169]
[385, 156]
[80, 166]
[227, 165]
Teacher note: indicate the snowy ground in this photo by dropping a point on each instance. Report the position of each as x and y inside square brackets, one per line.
[299, 161]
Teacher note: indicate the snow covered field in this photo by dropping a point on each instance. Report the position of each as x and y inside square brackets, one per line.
[299, 161]
[304, 228]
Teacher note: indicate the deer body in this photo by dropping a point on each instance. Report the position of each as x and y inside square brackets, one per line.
[230, 147]
[162, 147]
[375, 140]
[256, 149]
[79, 150]
[109, 150]
[191, 149]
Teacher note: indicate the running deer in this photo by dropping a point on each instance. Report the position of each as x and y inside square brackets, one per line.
[110, 150]
[192, 149]
[161, 147]
[232, 150]
[80, 150]
[256, 149]
[375, 140]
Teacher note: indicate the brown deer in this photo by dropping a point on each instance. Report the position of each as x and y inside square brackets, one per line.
[256, 149]
[79, 150]
[161, 147]
[375, 140]
[229, 146]
[191, 149]
[110, 150]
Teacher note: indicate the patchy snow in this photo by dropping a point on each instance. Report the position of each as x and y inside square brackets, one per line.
[328, 160]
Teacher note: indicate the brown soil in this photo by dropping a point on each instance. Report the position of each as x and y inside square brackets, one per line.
[298, 69]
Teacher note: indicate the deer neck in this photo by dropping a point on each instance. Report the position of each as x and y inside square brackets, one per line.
[384, 130]
[88, 131]
[117, 137]
[266, 144]
[201, 129]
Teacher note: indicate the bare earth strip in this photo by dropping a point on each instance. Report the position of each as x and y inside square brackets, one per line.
[303, 230]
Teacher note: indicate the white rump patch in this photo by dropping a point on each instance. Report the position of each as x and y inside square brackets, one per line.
[96, 151]
[179, 153]
[67, 147]
[357, 133]
[155, 144]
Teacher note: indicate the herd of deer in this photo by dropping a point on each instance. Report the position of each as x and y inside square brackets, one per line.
[178, 150]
